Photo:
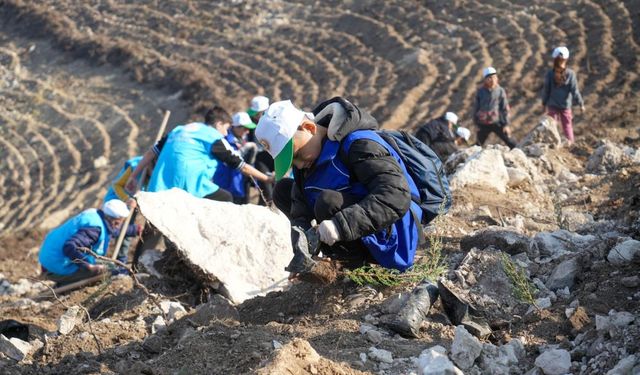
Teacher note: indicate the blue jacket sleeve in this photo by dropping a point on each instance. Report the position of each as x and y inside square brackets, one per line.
[575, 92]
[84, 237]
[132, 230]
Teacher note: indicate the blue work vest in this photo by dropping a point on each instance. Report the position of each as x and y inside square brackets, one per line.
[131, 163]
[391, 250]
[186, 162]
[228, 178]
[51, 256]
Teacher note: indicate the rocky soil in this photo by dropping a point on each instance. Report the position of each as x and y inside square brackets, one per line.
[83, 86]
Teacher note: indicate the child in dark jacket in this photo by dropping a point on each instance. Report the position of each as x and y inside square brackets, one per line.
[559, 90]
[491, 112]
[346, 178]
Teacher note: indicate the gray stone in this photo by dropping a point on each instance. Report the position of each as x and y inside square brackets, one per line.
[554, 362]
[465, 348]
[509, 241]
[543, 303]
[69, 319]
[558, 243]
[153, 344]
[374, 336]
[546, 132]
[575, 220]
[563, 275]
[434, 361]
[608, 157]
[624, 366]
[245, 250]
[630, 281]
[621, 319]
[517, 177]
[624, 252]
[499, 360]
[218, 308]
[14, 348]
[380, 355]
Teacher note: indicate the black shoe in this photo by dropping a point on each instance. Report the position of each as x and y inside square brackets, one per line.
[415, 310]
[302, 261]
[461, 313]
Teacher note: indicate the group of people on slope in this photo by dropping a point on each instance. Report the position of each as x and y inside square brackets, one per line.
[334, 174]
[491, 109]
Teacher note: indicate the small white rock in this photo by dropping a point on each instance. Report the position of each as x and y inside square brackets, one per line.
[554, 362]
[380, 355]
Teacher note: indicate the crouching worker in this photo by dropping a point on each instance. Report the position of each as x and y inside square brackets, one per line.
[347, 178]
[61, 256]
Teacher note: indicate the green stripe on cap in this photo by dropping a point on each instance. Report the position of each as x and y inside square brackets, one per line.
[282, 162]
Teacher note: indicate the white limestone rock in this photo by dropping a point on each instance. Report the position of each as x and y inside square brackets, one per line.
[69, 319]
[173, 310]
[554, 362]
[546, 132]
[434, 361]
[14, 348]
[380, 355]
[243, 247]
[485, 169]
[558, 243]
[465, 348]
[609, 157]
[563, 275]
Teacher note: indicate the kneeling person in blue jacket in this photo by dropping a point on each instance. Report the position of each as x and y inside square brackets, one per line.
[347, 178]
[61, 256]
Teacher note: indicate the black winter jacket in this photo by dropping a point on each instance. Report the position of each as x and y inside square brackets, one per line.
[438, 137]
[369, 163]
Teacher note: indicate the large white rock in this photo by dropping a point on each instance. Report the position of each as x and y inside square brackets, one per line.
[554, 362]
[563, 275]
[624, 252]
[434, 361]
[484, 168]
[546, 132]
[243, 247]
[465, 348]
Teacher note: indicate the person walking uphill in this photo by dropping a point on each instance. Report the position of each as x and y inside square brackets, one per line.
[559, 90]
[347, 178]
[491, 112]
[187, 158]
[60, 255]
[440, 136]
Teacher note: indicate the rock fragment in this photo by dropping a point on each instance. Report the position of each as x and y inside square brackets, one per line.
[14, 348]
[465, 349]
[554, 362]
[434, 361]
[69, 319]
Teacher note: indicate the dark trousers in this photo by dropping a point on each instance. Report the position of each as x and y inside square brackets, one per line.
[220, 195]
[62, 280]
[264, 163]
[328, 203]
[485, 130]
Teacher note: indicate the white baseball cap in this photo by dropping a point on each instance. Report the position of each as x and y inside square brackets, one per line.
[488, 71]
[451, 117]
[242, 119]
[275, 132]
[258, 104]
[115, 208]
[463, 133]
[562, 52]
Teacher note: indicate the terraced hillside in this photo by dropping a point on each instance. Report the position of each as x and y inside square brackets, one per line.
[404, 61]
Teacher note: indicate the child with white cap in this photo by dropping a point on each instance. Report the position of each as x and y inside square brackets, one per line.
[346, 178]
[232, 179]
[559, 90]
[61, 257]
[438, 134]
[491, 111]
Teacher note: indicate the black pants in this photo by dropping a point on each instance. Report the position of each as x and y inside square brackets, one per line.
[328, 203]
[264, 163]
[220, 195]
[485, 130]
[61, 280]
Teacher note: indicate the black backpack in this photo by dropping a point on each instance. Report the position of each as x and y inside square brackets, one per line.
[426, 170]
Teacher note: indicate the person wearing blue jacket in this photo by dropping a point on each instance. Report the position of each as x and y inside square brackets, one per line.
[347, 179]
[232, 179]
[188, 157]
[61, 255]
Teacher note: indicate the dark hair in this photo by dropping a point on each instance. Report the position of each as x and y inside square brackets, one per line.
[560, 64]
[216, 114]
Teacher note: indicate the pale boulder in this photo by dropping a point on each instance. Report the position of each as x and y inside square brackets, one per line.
[484, 168]
[546, 132]
[242, 248]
